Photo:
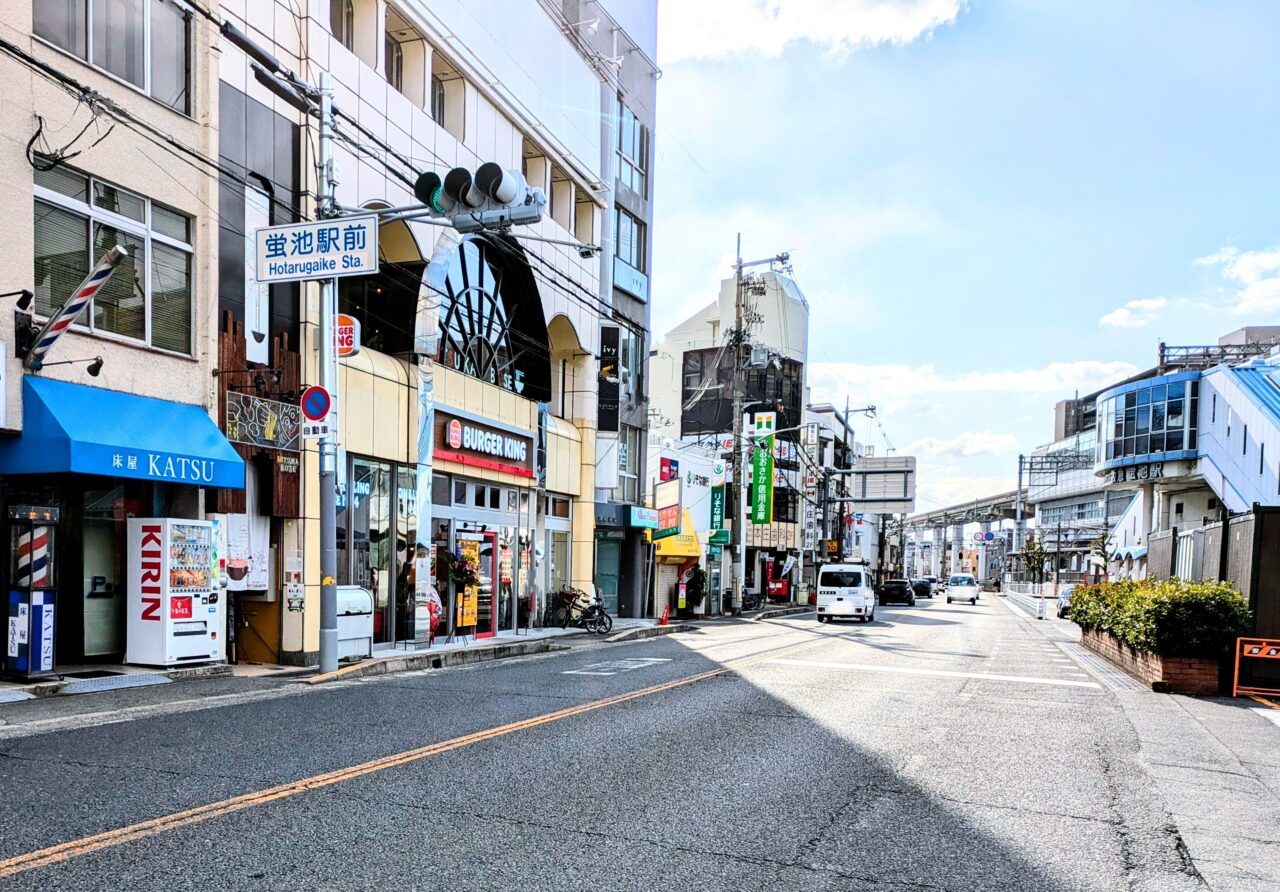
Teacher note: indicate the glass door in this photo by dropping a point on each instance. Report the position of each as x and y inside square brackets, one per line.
[608, 568]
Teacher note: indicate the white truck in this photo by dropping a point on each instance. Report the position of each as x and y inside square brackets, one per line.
[845, 592]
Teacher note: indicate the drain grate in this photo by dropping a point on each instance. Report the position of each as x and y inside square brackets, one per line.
[1109, 675]
[111, 683]
[92, 673]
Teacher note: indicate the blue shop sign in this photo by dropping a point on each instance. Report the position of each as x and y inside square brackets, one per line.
[73, 428]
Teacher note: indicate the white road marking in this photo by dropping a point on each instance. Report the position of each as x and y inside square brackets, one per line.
[1270, 715]
[937, 673]
[613, 667]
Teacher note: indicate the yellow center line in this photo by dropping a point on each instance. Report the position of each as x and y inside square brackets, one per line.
[121, 835]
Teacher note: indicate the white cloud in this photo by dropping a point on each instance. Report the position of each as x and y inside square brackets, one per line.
[944, 486]
[966, 445]
[891, 386]
[712, 29]
[1252, 278]
[1135, 313]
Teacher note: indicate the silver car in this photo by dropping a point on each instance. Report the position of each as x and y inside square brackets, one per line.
[1064, 600]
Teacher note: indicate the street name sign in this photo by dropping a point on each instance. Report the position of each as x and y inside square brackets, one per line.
[325, 249]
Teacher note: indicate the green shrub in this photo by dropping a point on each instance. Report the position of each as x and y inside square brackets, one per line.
[1170, 617]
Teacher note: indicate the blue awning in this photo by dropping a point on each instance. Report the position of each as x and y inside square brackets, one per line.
[87, 430]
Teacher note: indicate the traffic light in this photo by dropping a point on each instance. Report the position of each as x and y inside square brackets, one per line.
[491, 199]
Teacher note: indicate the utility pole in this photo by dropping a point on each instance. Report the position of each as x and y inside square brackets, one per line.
[739, 442]
[743, 442]
[328, 380]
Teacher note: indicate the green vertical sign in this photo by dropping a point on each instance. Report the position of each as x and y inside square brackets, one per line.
[762, 469]
[717, 507]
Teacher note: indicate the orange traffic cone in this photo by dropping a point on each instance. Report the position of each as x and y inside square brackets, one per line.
[666, 615]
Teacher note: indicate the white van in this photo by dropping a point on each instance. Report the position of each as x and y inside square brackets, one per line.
[844, 590]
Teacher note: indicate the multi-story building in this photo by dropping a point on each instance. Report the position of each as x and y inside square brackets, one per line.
[178, 151]
[494, 338]
[693, 371]
[112, 112]
[1191, 442]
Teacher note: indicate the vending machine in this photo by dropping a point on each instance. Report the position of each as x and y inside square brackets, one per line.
[177, 611]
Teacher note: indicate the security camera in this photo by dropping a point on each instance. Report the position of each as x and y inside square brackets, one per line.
[586, 252]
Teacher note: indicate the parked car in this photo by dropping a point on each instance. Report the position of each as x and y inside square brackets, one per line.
[923, 588]
[897, 590]
[844, 591]
[1064, 600]
[962, 587]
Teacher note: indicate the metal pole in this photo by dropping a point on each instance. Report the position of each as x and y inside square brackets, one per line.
[740, 453]
[1019, 531]
[1057, 561]
[328, 380]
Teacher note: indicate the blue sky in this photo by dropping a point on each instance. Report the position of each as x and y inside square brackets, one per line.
[990, 205]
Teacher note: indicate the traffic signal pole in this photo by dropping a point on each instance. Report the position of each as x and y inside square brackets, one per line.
[328, 380]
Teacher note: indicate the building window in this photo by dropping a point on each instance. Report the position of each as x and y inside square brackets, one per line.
[342, 22]
[628, 463]
[633, 150]
[631, 365]
[629, 240]
[1150, 420]
[148, 297]
[393, 64]
[437, 100]
[144, 42]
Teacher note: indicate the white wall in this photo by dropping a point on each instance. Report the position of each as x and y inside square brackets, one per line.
[1231, 469]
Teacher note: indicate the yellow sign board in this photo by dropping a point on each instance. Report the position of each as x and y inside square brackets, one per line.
[469, 599]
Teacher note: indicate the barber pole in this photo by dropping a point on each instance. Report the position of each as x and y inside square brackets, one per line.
[63, 319]
[33, 558]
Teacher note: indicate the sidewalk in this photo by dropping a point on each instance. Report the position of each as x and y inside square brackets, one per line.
[125, 692]
[1214, 760]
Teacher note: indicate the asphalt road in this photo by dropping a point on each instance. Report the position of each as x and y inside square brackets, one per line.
[944, 747]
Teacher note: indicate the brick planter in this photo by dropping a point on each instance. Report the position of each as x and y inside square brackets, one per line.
[1180, 675]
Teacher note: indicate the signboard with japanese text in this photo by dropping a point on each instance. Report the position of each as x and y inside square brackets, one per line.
[666, 497]
[325, 249]
[762, 468]
[717, 507]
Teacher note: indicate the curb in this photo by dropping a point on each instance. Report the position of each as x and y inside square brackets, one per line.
[440, 660]
[53, 688]
[781, 611]
[649, 632]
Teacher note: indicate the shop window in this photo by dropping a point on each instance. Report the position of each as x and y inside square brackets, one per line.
[342, 22]
[452, 96]
[148, 297]
[437, 100]
[146, 43]
[631, 365]
[628, 464]
[440, 486]
[495, 498]
[633, 151]
[371, 548]
[558, 507]
[393, 62]
[629, 239]
[459, 492]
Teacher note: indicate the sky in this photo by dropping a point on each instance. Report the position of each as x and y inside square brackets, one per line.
[991, 205]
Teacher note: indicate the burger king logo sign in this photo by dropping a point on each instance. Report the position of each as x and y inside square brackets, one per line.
[455, 434]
